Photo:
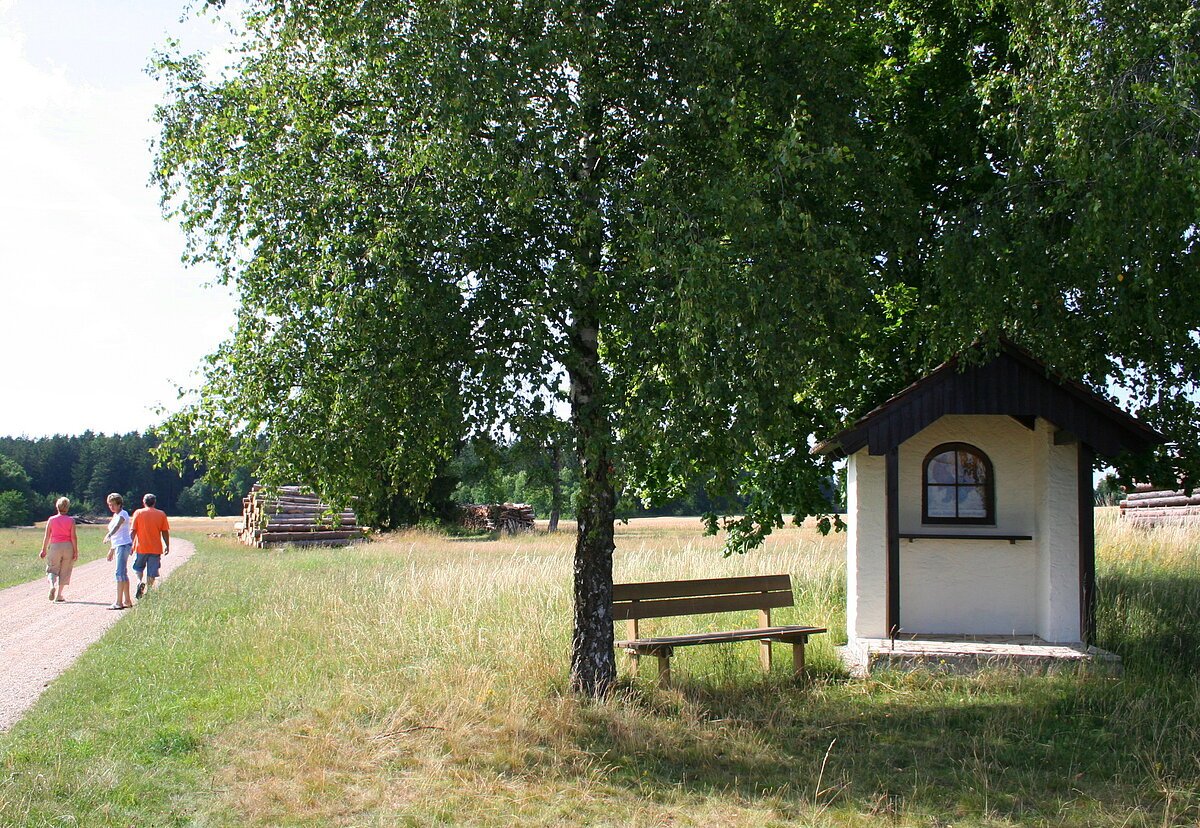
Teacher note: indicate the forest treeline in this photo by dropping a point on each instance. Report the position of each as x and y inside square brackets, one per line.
[34, 472]
[525, 472]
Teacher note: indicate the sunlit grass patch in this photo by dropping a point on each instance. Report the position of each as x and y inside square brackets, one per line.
[19, 548]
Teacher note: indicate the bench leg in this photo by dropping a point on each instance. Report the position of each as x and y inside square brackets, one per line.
[764, 647]
[764, 655]
[664, 670]
[633, 664]
[798, 657]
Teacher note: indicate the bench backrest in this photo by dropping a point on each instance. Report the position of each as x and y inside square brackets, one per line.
[663, 599]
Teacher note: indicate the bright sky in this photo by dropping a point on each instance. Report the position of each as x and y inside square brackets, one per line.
[100, 321]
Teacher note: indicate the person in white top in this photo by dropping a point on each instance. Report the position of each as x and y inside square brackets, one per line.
[121, 542]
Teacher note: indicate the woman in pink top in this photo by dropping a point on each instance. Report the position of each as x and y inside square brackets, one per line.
[60, 548]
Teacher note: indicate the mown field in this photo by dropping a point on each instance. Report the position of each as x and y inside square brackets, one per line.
[422, 680]
[19, 548]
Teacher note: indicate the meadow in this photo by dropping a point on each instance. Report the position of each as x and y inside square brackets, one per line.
[19, 561]
[421, 680]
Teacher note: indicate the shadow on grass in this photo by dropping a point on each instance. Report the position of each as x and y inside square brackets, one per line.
[1151, 619]
[1057, 750]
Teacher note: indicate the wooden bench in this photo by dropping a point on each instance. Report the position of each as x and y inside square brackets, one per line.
[664, 599]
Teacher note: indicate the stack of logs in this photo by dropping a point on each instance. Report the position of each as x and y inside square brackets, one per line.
[294, 516]
[1147, 505]
[497, 517]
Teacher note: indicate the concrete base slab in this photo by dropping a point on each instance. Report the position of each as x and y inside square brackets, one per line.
[964, 655]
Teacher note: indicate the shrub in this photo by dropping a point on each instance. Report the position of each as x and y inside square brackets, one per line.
[14, 510]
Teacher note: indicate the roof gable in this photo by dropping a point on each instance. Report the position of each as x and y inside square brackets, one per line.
[1013, 383]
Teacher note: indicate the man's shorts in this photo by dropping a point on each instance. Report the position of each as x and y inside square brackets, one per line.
[121, 553]
[147, 562]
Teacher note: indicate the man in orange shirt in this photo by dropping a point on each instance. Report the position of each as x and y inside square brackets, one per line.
[151, 540]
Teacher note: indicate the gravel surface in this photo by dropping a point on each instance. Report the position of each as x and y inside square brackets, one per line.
[40, 639]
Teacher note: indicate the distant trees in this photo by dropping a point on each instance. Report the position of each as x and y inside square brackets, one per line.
[16, 494]
[1108, 491]
[525, 471]
[519, 472]
[87, 467]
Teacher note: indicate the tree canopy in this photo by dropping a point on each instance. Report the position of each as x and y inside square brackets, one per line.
[712, 230]
[1067, 215]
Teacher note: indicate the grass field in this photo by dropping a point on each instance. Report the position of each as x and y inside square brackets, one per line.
[19, 561]
[422, 680]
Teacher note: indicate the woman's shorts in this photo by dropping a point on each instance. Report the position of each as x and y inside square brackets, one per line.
[60, 560]
[147, 562]
[121, 555]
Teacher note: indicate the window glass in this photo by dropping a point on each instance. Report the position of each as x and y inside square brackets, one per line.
[941, 501]
[971, 502]
[941, 468]
[971, 468]
[958, 487]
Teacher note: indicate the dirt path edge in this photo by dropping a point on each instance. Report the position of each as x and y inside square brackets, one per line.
[40, 639]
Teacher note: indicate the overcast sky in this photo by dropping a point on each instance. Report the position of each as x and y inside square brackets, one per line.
[101, 321]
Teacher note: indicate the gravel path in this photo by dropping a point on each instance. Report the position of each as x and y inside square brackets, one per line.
[40, 639]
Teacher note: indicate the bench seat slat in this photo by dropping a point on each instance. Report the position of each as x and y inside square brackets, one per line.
[701, 587]
[670, 607]
[784, 634]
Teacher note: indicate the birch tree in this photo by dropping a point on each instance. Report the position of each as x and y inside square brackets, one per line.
[437, 215]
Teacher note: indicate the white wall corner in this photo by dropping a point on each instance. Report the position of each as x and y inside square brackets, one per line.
[1062, 544]
[866, 547]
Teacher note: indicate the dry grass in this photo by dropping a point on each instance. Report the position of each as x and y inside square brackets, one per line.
[421, 680]
[206, 525]
[449, 696]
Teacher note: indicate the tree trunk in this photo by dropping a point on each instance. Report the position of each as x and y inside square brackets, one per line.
[555, 485]
[593, 665]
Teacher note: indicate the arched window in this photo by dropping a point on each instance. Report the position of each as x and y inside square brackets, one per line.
[958, 486]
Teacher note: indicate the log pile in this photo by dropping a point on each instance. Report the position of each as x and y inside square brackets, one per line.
[294, 516]
[1149, 506]
[497, 517]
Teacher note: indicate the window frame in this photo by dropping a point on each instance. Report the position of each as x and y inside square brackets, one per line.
[989, 487]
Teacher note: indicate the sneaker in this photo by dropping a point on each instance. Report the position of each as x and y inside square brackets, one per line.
[52, 591]
[141, 590]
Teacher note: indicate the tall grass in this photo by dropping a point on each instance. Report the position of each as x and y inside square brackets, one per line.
[422, 680]
[1149, 593]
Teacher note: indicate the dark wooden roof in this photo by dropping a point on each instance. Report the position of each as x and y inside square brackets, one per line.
[1013, 383]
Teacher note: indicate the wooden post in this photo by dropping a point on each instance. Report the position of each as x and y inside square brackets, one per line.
[798, 656]
[764, 646]
[892, 486]
[631, 630]
[664, 668]
[1087, 545]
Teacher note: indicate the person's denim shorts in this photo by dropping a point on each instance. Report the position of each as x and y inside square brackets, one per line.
[147, 562]
[121, 556]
